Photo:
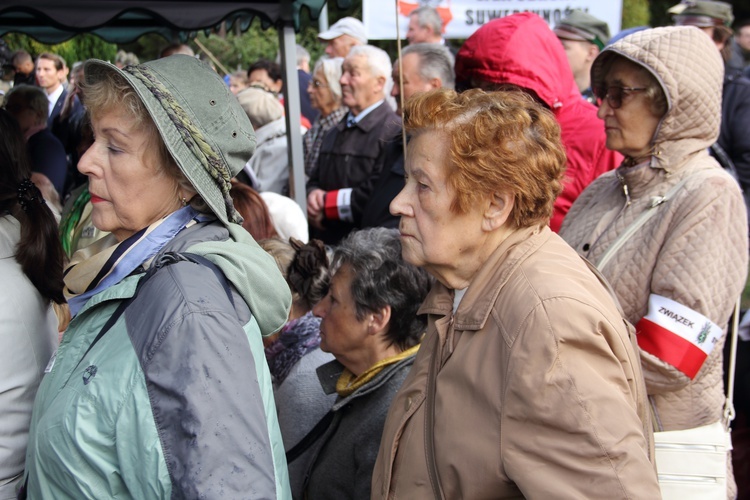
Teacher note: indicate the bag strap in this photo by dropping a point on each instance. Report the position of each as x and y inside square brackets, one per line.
[310, 438]
[638, 222]
[172, 258]
[733, 331]
[432, 470]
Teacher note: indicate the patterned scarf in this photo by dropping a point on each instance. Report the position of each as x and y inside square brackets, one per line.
[348, 383]
[313, 139]
[298, 337]
[105, 262]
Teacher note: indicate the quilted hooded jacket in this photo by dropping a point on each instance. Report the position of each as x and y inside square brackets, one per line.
[692, 255]
[521, 50]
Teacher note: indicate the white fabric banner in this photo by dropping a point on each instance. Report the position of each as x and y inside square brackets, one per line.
[462, 17]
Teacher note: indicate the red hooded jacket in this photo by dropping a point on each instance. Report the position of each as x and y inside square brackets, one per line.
[522, 50]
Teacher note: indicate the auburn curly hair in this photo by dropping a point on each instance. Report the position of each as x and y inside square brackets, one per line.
[496, 141]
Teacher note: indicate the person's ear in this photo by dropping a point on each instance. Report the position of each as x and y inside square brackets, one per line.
[380, 87]
[379, 320]
[497, 211]
[435, 83]
[593, 52]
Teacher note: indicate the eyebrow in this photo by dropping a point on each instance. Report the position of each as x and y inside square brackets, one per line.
[116, 131]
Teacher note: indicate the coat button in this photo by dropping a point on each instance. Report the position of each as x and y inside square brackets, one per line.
[408, 403]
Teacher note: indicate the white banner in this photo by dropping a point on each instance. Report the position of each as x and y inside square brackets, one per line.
[462, 17]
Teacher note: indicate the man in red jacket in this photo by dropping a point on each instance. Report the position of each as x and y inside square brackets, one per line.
[521, 52]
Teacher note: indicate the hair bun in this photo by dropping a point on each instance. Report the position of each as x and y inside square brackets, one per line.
[307, 268]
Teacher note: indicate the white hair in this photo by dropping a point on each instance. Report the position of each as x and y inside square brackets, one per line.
[377, 59]
[331, 68]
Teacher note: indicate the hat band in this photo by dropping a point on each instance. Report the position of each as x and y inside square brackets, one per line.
[588, 37]
[191, 136]
[697, 20]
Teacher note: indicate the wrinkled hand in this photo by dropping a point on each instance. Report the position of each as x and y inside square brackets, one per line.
[315, 202]
[315, 205]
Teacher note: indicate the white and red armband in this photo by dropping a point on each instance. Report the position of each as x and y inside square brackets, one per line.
[338, 205]
[677, 334]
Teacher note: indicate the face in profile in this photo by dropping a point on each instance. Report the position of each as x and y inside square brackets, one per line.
[129, 190]
[341, 333]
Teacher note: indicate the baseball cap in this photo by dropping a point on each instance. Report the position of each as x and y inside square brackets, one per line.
[345, 26]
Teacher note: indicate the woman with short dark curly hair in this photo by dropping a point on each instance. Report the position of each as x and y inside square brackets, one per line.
[528, 382]
[369, 323]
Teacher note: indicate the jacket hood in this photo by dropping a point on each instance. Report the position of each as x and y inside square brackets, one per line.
[690, 72]
[522, 50]
[250, 269]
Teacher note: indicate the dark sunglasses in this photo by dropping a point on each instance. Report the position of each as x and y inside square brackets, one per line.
[614, 94]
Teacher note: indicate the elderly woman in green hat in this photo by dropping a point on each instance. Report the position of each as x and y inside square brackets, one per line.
[159, 388]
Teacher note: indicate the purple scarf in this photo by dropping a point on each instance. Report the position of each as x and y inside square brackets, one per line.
[298, 337]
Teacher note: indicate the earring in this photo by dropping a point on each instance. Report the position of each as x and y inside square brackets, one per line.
[184, 201]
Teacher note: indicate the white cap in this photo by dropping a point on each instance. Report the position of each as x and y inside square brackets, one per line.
[287, 217]
[346, 26]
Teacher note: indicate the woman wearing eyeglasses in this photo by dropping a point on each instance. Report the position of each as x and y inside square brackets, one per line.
[678, 273]
[325, 95]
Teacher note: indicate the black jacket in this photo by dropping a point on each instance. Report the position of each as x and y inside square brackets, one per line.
[349, 159]
[389, 182]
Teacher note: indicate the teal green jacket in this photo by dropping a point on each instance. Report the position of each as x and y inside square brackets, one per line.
[175, 400]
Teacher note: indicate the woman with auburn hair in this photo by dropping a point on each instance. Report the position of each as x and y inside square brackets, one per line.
[31, 266]
[525, 351]
[253, 210]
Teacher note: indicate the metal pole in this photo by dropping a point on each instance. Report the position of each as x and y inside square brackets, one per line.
[293, 111]
[323, 19]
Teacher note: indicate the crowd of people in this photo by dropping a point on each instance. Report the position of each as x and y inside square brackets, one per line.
[518, 263]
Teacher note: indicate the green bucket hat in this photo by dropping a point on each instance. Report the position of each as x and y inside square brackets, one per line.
[582, 26]
[200, 121]
[702, 13]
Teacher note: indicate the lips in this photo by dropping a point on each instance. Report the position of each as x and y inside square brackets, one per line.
[96, 199]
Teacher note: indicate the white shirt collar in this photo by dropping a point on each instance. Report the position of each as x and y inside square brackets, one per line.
[53, 97]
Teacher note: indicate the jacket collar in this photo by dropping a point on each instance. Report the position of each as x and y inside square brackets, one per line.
[375, 118]
[489, 280]
[329, 373]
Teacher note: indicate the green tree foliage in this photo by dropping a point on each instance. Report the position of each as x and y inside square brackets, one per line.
[635, 13]
[78, 48]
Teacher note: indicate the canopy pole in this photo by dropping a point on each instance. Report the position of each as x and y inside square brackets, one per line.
[292, 113]
[400, 81]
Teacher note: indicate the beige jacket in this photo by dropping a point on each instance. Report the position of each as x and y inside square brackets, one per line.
[694, 250]
[539, 390]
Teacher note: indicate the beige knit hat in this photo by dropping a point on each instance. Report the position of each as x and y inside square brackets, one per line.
[260, 106]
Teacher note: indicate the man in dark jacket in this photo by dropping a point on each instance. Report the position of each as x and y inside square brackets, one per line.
[425, 66]
[341, 181]
[714, 18]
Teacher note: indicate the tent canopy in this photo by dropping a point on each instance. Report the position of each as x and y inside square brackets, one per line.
[122, 21]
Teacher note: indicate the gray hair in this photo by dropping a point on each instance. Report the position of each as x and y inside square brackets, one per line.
[332, 70]
[435, 61]
[33, 98]
[302, 55]
[381, 277]
[377, 59]
[427, 17]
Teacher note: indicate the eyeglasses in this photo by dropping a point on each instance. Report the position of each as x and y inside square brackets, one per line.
[614, 94]
[318, 83]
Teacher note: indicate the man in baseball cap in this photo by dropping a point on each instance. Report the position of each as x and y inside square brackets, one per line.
[582, 36]
[342, 36]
